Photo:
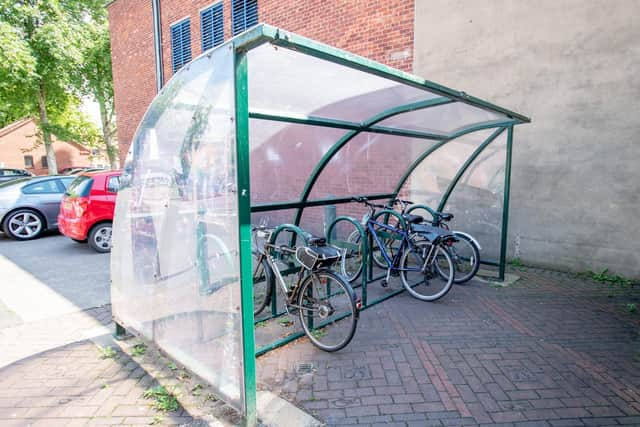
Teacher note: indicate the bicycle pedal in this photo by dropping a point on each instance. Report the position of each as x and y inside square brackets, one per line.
[384, 283]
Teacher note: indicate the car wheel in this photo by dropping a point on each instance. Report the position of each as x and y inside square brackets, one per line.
[23, 224]
[100, 237]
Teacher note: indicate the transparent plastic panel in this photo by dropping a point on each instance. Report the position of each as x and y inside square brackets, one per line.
[447, 118]
[175, 262]
[283, 81]
[368, 164]
[428, 182]
[283, 156]
[477, 200]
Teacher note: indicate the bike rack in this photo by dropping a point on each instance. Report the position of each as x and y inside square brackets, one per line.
[198, 158]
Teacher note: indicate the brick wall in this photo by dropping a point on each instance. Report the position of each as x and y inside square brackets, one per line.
[19, 140]
[132, 53]
[378, 29]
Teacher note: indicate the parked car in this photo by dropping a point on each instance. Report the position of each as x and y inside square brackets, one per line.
[11, 174]
[71, 170]
[86, 210]
[29, 206]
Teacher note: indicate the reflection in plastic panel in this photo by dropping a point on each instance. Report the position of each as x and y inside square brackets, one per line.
[175, 264]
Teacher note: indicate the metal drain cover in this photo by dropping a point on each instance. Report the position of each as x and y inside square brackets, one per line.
[303, 368]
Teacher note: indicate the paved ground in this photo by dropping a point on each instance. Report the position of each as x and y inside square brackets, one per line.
[552, 350]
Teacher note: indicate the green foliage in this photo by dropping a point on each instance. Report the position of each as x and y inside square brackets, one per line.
[261, 324]
[284, 321]
[318, 333]
[163, 399]
[197, 390]
[44, 46]
[139, 349]
[172, 366]
[631, 308]
[108, 353]
[516, 262]
[604, 277]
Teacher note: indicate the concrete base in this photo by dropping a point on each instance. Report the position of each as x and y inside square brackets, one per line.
[490, 278]
[277, 412]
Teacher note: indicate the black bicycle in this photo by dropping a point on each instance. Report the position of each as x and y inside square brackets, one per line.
[326, 303]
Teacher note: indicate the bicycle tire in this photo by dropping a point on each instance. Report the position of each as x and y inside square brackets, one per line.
[475, 262]
[417, 252]
[350, 313]
[350, 273]
[269, 282]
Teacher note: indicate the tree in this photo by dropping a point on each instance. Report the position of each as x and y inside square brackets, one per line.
[97, 81]
[40, 54]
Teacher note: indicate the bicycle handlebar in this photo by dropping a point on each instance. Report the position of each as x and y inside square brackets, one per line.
[366, 201]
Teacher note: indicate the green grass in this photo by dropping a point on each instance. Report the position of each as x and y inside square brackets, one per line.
[604, 277]
[284, 321]
[163, 400]
[108, 353]
[516, 262]
[139, 349]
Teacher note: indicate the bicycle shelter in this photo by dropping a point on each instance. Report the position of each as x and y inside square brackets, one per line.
[275, 128]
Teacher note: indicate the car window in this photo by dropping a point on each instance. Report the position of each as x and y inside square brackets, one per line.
[113, 184]
[42, 187]
[13, 182]
[11, 172]
[67, 181]
[80, 186]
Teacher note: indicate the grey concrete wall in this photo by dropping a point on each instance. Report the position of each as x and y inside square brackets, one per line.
[573, 66]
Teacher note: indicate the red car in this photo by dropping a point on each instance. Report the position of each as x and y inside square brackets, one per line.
[86, 210]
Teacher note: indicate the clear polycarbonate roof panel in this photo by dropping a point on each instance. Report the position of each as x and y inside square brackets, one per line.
[282, 81]
[477, 200]
[370, 163]
[175, 263]
[430, 179]
[443, 119]
[283, 155]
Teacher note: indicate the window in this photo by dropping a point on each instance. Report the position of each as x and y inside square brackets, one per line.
[244, 14]
[212, 26]
[42, 187]
[28, 161]
[113, 184]
[45, 163]
[180, 44]
[80, 187]
[67, 181]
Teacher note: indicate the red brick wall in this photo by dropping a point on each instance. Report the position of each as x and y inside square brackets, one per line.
[20, 140]
[378, 29]
[132, 53]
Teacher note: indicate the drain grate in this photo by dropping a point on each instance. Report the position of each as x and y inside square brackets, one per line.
[303, 368]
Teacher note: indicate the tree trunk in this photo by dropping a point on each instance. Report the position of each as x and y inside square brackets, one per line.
[46, 135]
[106, 136]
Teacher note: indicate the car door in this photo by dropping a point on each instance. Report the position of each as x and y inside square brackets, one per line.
[45, 196]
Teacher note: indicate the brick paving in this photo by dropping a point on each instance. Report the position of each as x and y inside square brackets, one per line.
[551, 350]
[75, 385]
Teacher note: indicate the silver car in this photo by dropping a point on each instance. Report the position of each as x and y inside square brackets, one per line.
[29, 206]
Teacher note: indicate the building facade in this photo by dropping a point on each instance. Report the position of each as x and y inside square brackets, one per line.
[19, 150]
[381, 30]
[572, 68]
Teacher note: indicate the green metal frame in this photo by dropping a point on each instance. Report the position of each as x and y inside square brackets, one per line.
[262, 34]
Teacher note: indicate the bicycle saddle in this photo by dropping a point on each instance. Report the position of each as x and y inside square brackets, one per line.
[413, 219]
[316, 241]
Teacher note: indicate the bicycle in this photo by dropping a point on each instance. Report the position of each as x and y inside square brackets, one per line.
[419, 257]
[465, 252]
[321, 297]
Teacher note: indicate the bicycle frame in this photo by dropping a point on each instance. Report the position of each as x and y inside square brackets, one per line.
[406, 242]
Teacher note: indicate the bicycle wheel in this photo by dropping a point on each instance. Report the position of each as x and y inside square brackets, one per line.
[351, 262]
[421, 278]
[263, 284]
[328, 311]
[466, 258]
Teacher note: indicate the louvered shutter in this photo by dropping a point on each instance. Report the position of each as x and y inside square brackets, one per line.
[212, 26]
[244, 14]
[180, 44]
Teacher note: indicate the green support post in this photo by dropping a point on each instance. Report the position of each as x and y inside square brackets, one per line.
[505, 204]
[244, 224]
